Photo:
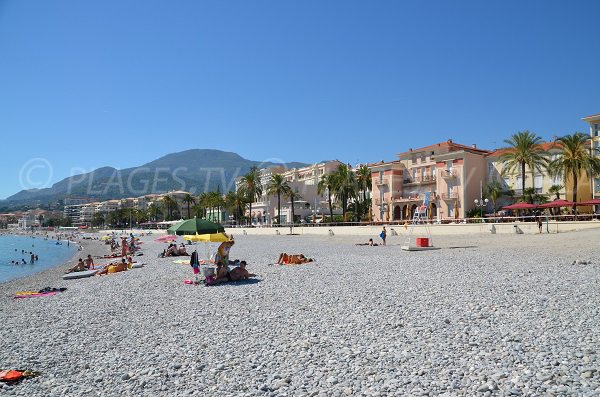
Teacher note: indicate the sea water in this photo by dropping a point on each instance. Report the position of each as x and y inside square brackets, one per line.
[49, 255]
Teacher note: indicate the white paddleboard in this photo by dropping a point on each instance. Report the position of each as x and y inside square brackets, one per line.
[83, 274]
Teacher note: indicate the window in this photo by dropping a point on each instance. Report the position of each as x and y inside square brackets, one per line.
[433, 171]
[449, 164]
[596, 147]
[556, 180]
[596, 129]
[490, 170]
[538, 183]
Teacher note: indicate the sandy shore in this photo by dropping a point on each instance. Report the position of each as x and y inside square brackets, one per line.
[485, 315]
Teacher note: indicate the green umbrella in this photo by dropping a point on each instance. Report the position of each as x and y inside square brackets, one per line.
[195, 226]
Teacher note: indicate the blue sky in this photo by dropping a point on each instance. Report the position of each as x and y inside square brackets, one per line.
[85, 84]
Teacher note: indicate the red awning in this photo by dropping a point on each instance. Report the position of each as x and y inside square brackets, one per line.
[520, 206]
[557, 203]
[590, 202]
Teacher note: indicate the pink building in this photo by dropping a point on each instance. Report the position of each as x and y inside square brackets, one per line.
[453, 173]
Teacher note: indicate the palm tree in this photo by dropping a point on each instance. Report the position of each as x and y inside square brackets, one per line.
[203, 202]
[573, 160]
[326, 184]
[493, 191]
[555, 189]
[345, 186]
[293, 195]
[169, 204]
[524, 150]
[278, 186]
[189, 200]
[252, 186]
[364, 180]
[154, 211]
[235, 202]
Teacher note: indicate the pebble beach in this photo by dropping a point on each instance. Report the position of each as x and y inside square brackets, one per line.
[483, 315]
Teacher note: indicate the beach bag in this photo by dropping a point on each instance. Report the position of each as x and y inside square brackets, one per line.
[382, 235]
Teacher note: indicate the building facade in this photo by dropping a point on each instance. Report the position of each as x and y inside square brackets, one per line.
[304, 182]
[594, 123]
[451, 173]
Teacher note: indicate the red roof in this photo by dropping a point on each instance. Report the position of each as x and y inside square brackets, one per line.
[447, 144]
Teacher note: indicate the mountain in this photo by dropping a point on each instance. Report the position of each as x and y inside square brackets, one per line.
[195, 171]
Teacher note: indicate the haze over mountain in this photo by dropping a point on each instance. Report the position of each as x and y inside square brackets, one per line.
[195, 170]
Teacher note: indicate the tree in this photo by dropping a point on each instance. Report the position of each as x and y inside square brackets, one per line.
[278, 186]
[189, 200]
[326, 184]
[235, 202]
[555, 189]
[574, 159]
[364, 181]
[493, 191]
[252, 186]
[154, 211]
[98, 219]
[345, 186]
[524, 150]
[169, 204]
[293, 195]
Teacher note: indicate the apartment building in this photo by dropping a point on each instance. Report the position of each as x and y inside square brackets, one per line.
[452, 173]
[304, 182]
[594, 123]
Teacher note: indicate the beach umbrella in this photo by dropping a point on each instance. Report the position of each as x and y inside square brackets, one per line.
[195, 226]
[520, 206]
[557, 203]
[166, 239]
[208, 238]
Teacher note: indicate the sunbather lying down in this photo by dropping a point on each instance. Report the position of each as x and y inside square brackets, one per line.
[293, 259]
[114, 268]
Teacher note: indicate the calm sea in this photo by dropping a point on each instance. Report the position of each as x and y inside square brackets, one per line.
[48, 252]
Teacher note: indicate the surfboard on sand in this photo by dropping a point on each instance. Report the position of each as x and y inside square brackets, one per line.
[83, 274]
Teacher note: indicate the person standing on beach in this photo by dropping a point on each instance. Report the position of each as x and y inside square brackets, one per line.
[383, 235]
[123, 247]
[540, 223]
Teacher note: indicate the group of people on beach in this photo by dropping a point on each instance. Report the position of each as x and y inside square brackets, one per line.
[223, 272]
[174, 250]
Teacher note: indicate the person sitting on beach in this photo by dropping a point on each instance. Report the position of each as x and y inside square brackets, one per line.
[172, 250]
[181, 250]
[114, 268]
[291, 259]
[240, 273]
[371, 243]
[224, 275]
[79, 267]
[89, 262]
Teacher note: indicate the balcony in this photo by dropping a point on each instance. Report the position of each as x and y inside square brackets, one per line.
[448, 174]
[420, 180]
[453, 195]
[381, 182]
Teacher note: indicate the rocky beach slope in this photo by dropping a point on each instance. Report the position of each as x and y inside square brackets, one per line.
[484, 315]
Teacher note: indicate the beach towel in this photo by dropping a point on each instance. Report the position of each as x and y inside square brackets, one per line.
[15, 375]
[43, 292]
[34, 295]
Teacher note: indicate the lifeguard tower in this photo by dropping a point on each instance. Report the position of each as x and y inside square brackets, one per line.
[419, 239]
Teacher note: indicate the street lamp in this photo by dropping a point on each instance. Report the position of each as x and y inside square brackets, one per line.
[481, 203]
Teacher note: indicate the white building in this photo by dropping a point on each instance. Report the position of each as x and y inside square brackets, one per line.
[304, 181]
